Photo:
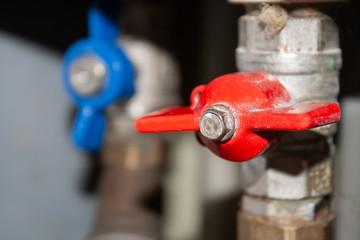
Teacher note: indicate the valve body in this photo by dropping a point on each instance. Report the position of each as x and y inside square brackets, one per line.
[296, 178]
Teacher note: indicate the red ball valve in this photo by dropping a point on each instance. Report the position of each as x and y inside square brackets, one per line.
[241, 115]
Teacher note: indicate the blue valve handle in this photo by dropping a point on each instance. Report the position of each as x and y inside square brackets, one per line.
[118, 84]
[102, 20]
[89, 128]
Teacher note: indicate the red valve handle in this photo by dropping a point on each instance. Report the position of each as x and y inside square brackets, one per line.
[245, 109]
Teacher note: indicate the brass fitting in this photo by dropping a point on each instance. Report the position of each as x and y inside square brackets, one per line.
[256, 227]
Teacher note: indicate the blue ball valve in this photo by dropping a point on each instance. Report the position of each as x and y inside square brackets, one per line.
[96, 73]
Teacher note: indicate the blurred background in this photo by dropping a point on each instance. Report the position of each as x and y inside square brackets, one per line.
[48, 188]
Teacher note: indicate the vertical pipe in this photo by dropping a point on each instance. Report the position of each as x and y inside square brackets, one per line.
[288, 192]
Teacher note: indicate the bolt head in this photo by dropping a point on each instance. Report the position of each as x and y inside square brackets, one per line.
[217, 123]
[87, 75]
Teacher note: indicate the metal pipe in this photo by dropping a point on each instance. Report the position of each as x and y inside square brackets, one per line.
[133, 163]
[288, 192]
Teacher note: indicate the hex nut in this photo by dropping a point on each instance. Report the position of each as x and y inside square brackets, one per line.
[305, 55]
[87, 75]
[217, 123]
[288, 177]
[306, 31]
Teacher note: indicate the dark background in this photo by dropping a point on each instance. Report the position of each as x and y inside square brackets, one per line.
[202, 34]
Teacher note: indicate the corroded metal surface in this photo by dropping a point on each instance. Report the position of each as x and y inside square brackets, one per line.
[288, 191]
[304, 55]
[306, 58]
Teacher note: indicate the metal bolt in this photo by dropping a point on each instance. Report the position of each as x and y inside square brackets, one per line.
[87, 75]
[217, 123]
